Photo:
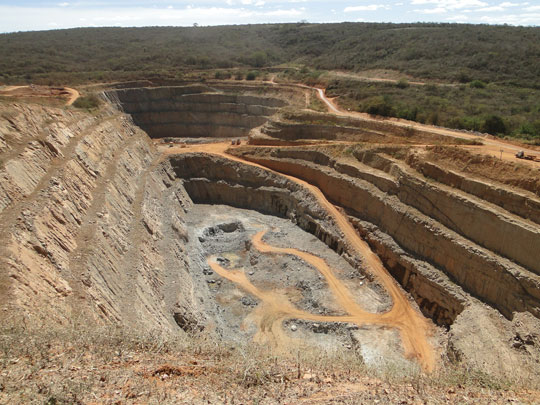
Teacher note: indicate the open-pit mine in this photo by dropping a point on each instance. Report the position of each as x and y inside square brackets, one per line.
[233, 210]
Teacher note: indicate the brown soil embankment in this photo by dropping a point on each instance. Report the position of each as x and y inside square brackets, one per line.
[87, 220]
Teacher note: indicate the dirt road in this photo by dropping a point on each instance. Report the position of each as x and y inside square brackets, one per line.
[40, 91]
[377, 79]
[73, 95]
[413, 327]
[491, 147]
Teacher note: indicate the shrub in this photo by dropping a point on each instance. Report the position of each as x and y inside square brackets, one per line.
[89, 102]
[251, 76]
[259, 59]
[402, 84]
[530, 128]
[221, 75]
[494, 125]
[477, 84]
[380, 106]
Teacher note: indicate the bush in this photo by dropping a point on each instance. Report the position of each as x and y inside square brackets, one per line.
[251, 76]
[87, 102]
[221, 75]
[402, 84]
[530, 128]
[380, 106]
[494, 125]
[477, 84]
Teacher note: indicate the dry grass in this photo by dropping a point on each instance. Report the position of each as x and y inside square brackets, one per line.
[87, 364]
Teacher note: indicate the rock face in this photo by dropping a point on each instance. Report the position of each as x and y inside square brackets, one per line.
[91, 221]
[304, 127]
[194, 111]
[427, 220]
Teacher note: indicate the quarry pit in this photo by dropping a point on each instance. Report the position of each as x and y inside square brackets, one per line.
[396, 246]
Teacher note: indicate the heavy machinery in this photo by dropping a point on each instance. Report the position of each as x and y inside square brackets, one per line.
[521, 155]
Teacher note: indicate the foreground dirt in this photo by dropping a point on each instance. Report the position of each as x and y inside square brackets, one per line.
[84, 366]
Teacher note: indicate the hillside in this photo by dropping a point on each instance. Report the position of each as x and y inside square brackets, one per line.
[449, 52]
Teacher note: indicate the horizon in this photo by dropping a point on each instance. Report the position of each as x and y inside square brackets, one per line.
[30, 15]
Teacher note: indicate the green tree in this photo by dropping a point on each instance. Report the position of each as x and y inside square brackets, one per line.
[494, 125]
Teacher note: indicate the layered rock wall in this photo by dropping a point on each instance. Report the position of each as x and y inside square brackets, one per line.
[92, 224]
[194, 111]
[492, 278]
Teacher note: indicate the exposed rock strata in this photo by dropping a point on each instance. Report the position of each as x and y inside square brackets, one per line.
[493, 279]
[91, 223]
[194, 111]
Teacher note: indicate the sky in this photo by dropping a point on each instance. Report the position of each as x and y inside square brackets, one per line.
[31, 15]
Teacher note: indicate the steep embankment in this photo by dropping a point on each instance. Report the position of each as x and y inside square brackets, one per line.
[291, 128]
[194, 111]
[431, 222]
[91, 222]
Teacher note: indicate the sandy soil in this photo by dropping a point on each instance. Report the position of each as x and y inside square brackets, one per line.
[41, 92]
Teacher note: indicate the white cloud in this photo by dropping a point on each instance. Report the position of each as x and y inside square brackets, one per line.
[532, 8]
[370, 7]
[489, 9]
[436, 10]
[65, 4]
[281, 13]
[458, 18]
[452, 4]
[513, 19]
[17, 18]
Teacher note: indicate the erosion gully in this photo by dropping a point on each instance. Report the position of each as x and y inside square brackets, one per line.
[414, 329]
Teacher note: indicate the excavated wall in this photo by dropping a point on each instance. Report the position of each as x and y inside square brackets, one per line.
[494, 279]
[92, 223]
[214, 180]
[522, 203]
[299, 127]
[194, 111]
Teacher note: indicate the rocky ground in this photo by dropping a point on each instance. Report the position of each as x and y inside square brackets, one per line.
[226, 232]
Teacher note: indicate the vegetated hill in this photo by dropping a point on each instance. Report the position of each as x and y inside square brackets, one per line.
[451, 52]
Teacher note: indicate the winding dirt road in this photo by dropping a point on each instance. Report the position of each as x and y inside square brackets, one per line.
[413, 327]
[40, 91]
[490, 147]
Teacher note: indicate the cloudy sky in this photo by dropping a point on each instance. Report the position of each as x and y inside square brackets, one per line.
[24, 15]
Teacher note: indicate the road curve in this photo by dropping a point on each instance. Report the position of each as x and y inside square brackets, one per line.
[492, 145]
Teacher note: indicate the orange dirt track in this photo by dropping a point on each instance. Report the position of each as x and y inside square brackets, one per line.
[414, 328]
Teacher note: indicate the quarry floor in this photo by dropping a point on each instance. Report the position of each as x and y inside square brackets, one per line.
[261, 290]
[402, 315]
